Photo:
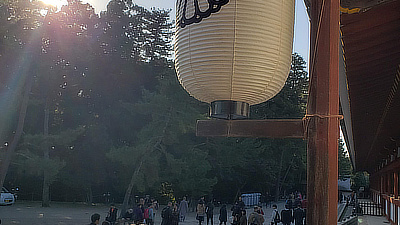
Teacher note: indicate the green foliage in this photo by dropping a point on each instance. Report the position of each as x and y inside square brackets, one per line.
[141, 35]
[291, 100]
[35, 164]
[31, 156]
[170, 114]
[117, 110]
[360, 179]
[345, 168]
[63, 139]
[248, 165]
[190, 171]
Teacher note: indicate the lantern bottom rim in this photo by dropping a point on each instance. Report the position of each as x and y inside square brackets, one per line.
[229, 110]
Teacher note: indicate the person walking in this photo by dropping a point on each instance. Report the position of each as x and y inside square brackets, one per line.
[112, 214]
[298, 215]
[183, 209]
[275, 218]
[297, 202]
[166, 214]
[223, 215]
[150, 217]
[286, 216]
[261, 211]
[210, 212]
[289, 202]
[175, 215]
[241, 204]
[200, 210]
[255, 217]
[236, 210]
[138, 212]
[243, 218]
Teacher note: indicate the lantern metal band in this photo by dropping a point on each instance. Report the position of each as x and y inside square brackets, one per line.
[213, 7]
[230, 110]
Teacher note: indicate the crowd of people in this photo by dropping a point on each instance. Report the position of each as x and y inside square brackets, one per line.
[174, 213]
[294, 211]
[143, 213]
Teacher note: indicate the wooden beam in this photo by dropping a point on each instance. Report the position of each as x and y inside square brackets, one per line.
[251, 128]
[390, 167]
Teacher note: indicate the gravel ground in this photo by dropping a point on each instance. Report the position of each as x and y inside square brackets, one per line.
[31, 213]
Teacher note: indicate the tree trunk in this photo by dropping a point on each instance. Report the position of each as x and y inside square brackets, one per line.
[277, 191]
[46, 156]
[287, 171]
[89, 195]
[130, 188]
[141, 161]
[5, 163]
[239, 190]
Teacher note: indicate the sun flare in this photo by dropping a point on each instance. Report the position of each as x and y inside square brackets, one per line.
[56, 3]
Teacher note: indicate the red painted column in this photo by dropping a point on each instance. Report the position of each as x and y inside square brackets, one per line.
[381, 188]
[396, 194]
[383, 183]
[390, 183]
[396, 184]
[323, 108]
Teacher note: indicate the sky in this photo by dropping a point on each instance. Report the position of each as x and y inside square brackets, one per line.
[301, 35]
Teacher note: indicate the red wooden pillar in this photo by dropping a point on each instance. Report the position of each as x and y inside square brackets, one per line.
[390, 183]
[383, 187]
[386, 184]
[390, 192]
[383, 183]
[396, 184]
[396, 195]
[323, 108]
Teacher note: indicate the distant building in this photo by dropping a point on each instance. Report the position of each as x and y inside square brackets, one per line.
[344, 188]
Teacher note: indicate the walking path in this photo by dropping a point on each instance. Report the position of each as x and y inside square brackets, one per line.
[372, 220]
[191, 216]
[79, 214]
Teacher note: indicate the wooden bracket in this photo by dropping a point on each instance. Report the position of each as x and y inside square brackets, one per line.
[276, 128]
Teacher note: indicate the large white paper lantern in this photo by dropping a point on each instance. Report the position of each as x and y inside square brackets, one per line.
[233, 53]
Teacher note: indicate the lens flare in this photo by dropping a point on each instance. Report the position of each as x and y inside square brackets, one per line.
[56, 3]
